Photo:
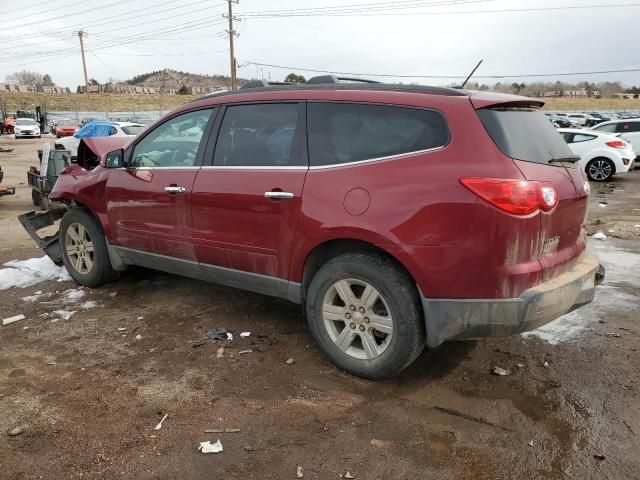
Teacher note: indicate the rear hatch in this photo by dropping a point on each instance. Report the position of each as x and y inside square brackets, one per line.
[524, 134]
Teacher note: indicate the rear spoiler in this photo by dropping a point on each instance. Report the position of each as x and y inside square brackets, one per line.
[491, 99]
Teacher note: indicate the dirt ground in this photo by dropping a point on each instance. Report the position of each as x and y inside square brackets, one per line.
[88, 393]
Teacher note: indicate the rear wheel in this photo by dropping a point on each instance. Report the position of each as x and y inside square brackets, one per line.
[84, 249]
[600, 169]
[365, 315]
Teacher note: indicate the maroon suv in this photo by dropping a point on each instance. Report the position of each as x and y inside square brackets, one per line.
[399, 216]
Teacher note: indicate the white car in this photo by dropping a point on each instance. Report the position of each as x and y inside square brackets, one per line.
[117, 129]
[583, 119]
[601, 155]
[26, 127]
[628, 130]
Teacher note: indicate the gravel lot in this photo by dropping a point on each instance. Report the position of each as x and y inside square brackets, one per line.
[88, 392]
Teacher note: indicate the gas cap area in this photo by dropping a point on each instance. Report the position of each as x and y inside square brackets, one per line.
[357, 201]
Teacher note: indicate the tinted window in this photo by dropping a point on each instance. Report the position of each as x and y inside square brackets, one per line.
[173, 143]
[523, 134]
[347, 132]
[133, 129]
[609, 128]
[626, 127]
[581, 137]
[568, 137]
[258, 135]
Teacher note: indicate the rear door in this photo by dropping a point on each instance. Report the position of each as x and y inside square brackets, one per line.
[525, 135]
[149, 202]
[247, 198]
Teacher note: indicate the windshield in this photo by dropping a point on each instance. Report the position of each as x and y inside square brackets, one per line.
[524, 134]
[25, 121]
[133, 129]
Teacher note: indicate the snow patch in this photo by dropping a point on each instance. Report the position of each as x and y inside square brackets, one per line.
[73, 294]
[62, 314]
[89, 304]
[622, 268]
[25, 273]
[599, 236]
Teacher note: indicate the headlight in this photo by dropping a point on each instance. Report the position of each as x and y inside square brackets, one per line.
[16, 129]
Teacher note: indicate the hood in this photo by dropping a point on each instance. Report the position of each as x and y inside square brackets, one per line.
[92, 149]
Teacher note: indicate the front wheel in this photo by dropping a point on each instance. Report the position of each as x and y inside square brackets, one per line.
[600, 169]
[364, 313]
[84, 249]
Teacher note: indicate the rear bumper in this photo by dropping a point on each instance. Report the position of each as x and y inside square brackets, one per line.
[456, 319]
[7, 190]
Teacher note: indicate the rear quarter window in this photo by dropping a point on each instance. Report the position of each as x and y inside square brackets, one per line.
[348, 132]
[524, 134]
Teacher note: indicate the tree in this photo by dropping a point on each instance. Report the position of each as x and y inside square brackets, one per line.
[93, 81]
[294, 78]
[24, 77]
[183, 90]
[46, 80]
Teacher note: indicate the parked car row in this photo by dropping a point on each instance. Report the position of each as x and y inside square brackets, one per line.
[97, 129]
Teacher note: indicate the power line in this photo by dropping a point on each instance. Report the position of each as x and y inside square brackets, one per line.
[386, 75]
[363, 12]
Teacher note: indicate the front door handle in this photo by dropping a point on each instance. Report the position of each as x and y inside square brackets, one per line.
[175, 189]
[277, 195]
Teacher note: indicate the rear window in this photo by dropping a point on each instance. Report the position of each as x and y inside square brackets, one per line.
[350, 132]
[133, 129]
[524, 134]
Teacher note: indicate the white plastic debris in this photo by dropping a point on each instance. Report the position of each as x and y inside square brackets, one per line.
[545, 364]
[602, 205]
[159, 425]
[599, 236]
[290, 361]
[138, 337]
[501, 372]
[140, 318]
[122, 329]
[10, 320]
[531, 443]
[63, 314]
[220, 353]
[208, 447]
[299, 473]
[348, 475]
[245, 334]
[230, 336]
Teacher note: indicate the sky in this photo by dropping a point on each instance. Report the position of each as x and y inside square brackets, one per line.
[407, 38]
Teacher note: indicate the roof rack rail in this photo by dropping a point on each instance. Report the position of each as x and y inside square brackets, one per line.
[262, 84]
[333, 79]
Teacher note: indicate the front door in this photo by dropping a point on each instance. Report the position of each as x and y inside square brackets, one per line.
[149, 201]
[245, 204]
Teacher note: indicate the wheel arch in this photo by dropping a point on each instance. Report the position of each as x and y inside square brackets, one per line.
[335, 247]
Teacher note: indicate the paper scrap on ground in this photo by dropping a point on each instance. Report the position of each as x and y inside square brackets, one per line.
[24, 273]
[208, 447]
[245, 334]
[10, 320]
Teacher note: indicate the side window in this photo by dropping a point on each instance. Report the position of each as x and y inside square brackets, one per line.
[113, 131]
[623, 127]
[257, 135]
[609, 128]
[634, 126]
[350, 132]
[173, 143]
[568, 137]
[581, 137]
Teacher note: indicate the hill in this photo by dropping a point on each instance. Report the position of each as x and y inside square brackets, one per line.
[168, 78]
[109, 102]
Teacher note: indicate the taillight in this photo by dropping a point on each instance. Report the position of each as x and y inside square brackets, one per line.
[518, 197]
[617, 144]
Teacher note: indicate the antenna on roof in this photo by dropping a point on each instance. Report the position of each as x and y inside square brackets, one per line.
[471, 74]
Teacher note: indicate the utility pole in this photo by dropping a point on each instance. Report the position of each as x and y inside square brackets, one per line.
[232, 56]
[84, 64]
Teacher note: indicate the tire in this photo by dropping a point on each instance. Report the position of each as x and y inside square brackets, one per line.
[36, 198]
[80, 223]
[401, 334]
[600, 169]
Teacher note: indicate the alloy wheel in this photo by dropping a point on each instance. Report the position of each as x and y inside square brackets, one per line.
[600, 170]
[357, 318]
[79, 248]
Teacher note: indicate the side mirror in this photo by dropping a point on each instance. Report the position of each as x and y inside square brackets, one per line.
[114, 159]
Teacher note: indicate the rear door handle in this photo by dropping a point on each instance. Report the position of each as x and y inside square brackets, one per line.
[175, 189]
[279, 195]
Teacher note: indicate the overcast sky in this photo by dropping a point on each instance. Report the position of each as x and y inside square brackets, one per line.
[128, 37]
